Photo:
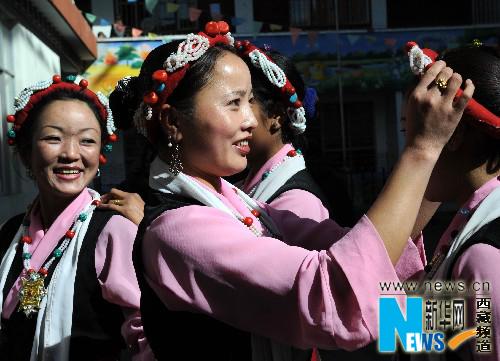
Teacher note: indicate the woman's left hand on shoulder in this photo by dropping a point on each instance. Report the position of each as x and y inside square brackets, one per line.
[129, 205]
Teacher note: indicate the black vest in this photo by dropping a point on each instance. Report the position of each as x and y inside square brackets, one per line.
[179, 335]
[95, 333]
[301, 180]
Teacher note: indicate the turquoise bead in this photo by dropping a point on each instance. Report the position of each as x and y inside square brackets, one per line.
[299, 151]
[11, 134]
[293, 98]
[26, 255]
[160, 88]
[57, 253]
[71, 78]
[82, 217]
[108, 148]
[265, 175]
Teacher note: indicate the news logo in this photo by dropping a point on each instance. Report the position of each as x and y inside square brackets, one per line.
[432, 325]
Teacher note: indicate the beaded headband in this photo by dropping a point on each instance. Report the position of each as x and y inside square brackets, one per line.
[421, 59]
[33, 94]
[277, 77]
[174, 69]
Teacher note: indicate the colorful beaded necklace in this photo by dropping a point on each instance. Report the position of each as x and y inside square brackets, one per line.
[33, 288]
[291, 154]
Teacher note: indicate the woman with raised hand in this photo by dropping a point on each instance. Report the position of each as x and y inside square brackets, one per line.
[467, 174]
[69, 290]
[213, 263]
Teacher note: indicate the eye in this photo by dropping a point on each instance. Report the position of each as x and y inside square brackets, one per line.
[235, 102]
[88, 141]
[52, 138]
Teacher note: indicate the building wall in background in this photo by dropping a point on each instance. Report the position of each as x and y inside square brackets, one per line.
[25, 60]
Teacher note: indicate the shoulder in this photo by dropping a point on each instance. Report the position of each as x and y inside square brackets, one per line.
[301, 202]
[117, 226]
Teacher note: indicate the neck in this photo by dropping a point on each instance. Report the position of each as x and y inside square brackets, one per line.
[255, 164]
[474, 180]
[51, 207]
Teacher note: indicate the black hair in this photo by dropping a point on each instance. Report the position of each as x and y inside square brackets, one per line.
[481, 64]
[125, 100]
[24, 136]
[270, 97]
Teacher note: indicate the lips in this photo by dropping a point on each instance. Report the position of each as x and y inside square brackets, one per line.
[68, 173]
[243, 147]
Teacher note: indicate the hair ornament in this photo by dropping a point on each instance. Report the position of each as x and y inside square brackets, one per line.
[277, 77]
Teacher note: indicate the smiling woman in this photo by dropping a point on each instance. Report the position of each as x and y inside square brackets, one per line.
[65, 272]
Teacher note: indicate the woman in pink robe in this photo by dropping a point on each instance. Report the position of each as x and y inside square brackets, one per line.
[212, 261]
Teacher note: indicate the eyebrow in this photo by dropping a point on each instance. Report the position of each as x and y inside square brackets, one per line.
[62, 130]
[241, 93]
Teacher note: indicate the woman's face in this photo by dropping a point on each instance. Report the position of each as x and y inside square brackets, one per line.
[262, 139]
[215, 142]
[66, 147]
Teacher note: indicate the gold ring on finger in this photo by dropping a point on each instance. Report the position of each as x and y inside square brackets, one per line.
[441, 84]
[117, 202]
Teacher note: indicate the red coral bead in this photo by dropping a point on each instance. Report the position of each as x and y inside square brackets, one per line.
[245, 43]
[84, 83]
[70, 234]
[43, 271]
[56, 79]
[212, 28]
[11, 118]
[26, 239]
[113, 137]
[256, 213]
[409, 45]
[237, 44]
[288, 88]
[292, 153]
[31, 270]
[247, 221]
[160, 76]
[96, 202]
[102, 159]
[223, 27]
[11, 141]
[150, 98]
[297, 104]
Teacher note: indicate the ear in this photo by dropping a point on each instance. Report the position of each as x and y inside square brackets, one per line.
[458, 137]
[275, 123]
[169, 122]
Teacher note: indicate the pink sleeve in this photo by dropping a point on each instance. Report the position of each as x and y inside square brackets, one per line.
[302, 203]
[480, 263]
[115, 272]
[262, 285]
[412, 260]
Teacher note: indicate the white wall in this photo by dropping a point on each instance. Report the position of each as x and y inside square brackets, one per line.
[29, 60]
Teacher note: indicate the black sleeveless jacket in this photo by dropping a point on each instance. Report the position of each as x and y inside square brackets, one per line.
[96, 323]
[178, 335]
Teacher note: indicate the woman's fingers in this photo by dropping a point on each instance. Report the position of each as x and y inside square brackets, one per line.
[429, 76]
[463, 98]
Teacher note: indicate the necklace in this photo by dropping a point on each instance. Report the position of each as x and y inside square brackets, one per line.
[33, 288]
[291, 154]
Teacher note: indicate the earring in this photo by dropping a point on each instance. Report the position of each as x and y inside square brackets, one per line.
[175, 164]
[98, 172]
[169, 141]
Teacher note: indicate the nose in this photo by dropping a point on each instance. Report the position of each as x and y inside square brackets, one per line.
[70, 151]
[250, 121]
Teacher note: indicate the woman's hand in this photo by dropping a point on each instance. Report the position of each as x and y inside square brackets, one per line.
[129, 205]
[432, 113]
